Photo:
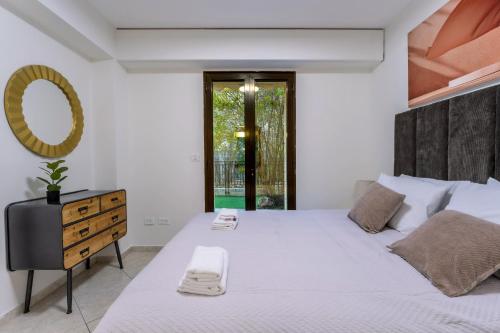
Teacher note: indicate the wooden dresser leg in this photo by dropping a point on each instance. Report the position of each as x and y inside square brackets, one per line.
[118, 254]
[87, 263]
[69, 290]
[29, 287]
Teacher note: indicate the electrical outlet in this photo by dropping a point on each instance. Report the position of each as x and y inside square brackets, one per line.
[149, 220]
[163, 221]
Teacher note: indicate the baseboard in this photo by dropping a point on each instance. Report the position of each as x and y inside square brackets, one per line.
[35, 298]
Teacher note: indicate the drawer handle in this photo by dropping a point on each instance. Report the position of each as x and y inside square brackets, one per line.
[85, 252]
[83, 210]
[84, 232]
[114, 218]
[115, 235]
[114, 199]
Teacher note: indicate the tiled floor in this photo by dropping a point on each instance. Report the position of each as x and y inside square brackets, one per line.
[93, 292]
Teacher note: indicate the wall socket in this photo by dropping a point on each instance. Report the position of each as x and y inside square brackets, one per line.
[163, 221]
[149, 220]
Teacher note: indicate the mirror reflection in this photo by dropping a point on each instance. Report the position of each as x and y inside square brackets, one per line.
[47, 111]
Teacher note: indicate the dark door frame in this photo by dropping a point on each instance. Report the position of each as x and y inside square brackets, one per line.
[249, 79]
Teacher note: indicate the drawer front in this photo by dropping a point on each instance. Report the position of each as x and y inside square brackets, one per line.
[112, 200]
[114, 233]
[82, 251]
[78, 210]
[79, 231]
[113, 217]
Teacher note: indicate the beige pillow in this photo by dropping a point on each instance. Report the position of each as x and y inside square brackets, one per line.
[455, 251]
[376, 207]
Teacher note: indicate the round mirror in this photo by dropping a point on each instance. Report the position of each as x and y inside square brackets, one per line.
[43, 111]
[47, 111]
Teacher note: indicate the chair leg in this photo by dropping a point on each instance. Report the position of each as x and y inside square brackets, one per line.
[69, 290]
[87, 263]
[118, 254]
[29, 287]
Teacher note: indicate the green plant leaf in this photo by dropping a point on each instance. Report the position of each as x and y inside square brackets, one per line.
[61, 169]
[53, 165]
[44, 180]
[53, 187]
[48, 164]
[45, 170]
[55, 176]
[60, 180]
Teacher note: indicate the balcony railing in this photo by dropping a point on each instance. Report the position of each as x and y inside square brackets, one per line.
[229, 178]
[229, 175]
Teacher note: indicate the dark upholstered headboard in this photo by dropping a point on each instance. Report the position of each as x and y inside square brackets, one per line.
[456, 139]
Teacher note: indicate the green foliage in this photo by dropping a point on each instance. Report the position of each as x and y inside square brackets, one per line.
[55, 174]
[228, 118]
[270, 106]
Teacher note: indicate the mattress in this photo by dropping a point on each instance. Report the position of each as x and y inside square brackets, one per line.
[297, 271]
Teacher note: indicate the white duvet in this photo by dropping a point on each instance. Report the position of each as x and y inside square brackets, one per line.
[298, 271]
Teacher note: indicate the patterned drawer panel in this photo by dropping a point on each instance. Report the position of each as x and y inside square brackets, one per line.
[115, 233]
[82, 251]
[78, 210]
[113, 200]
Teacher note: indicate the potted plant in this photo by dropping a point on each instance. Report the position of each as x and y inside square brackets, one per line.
[54, 170]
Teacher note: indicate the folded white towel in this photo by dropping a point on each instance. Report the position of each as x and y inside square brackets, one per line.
[202, 280]
[227, 219]
[206, 263]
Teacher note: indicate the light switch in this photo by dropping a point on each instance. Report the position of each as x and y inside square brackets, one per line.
[195, 158]
[149, 220]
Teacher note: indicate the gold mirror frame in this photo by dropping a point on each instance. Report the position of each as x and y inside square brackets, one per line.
[13, 100]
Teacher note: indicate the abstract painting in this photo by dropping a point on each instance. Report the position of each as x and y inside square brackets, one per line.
[455, 48]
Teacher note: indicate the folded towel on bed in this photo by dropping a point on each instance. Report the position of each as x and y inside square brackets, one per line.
[227, 219]
[206, 263]
[206, 274]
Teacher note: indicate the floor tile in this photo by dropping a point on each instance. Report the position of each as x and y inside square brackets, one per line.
[47, 316]
[96, 289]
[135, 261]
[93, 324]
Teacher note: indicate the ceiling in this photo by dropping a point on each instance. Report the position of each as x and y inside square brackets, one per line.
[249, 14]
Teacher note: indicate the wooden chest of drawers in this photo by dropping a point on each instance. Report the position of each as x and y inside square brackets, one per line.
[40, 236]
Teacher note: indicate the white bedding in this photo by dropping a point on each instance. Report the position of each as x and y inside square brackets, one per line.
[298, 271]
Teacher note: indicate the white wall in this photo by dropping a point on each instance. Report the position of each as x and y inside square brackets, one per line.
[110, 109]
[165, 128]
[192, 51]
[248, 44]
[82, 16]
[338, 138]
[18, 166]
[338, 141]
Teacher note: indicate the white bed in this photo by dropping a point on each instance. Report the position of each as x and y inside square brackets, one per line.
[298, 271]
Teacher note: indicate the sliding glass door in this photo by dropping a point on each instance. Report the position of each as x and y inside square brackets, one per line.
[249, 140]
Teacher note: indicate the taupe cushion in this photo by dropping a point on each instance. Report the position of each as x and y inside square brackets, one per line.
[455, 251]
[376, 207]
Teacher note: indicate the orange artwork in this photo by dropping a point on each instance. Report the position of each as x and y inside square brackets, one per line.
[455, 48]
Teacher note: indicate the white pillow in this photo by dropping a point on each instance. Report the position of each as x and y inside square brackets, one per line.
[493, 182]
[423, 199]
[482, 201]
[452, 186]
